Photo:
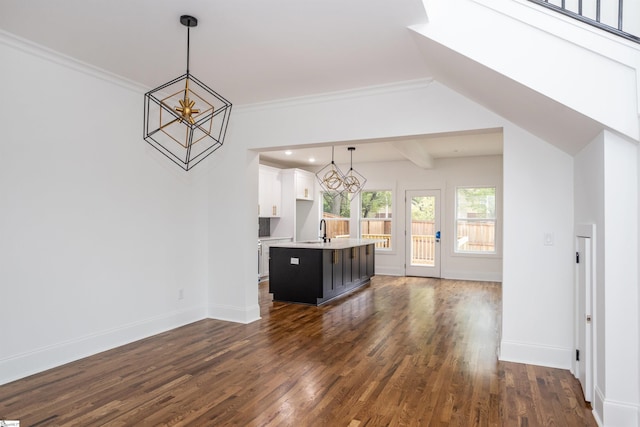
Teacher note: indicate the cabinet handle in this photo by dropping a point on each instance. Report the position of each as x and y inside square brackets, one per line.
[306, 193]
[275, 210]
[335, 256]
[258, 209]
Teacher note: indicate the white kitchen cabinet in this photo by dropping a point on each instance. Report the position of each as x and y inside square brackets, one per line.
[305, 183]
[300, 216]
[264, 262]
[269, 192]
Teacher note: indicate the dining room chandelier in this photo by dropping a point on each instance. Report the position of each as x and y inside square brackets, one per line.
[333, 180]
[184, 118]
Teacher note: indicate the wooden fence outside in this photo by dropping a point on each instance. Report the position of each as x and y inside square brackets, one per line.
[476, 236]
[423, 247]
[337, 227]
[375, 226]
[472, 236]
[386, 240]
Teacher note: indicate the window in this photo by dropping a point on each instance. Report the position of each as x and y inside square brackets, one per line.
[475, 220]
[376, 216]
[336, 211]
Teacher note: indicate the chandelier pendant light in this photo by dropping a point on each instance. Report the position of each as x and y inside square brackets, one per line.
[330, 177]
[334, 182]
[353, 182]
[184, 119]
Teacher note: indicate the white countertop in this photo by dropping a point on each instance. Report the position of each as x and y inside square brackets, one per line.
[274, 237]
[333, 244]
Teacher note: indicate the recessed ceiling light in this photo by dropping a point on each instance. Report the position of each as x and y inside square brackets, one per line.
[312, 160]
[288, 152]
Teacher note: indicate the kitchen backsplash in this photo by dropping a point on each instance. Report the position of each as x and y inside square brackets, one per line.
[264, 227]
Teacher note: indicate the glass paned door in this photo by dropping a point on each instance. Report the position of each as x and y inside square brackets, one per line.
[422, 236]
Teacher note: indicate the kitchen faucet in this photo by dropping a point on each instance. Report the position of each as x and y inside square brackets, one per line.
[324, 235]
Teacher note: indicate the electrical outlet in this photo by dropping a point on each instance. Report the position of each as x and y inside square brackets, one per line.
[180, 293]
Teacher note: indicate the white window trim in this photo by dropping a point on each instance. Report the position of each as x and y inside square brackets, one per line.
[386, 251]
[475, 254]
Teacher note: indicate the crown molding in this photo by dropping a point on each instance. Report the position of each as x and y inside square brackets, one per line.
[408, 85]
[37, 50]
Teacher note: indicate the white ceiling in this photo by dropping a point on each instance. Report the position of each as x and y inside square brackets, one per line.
[482, 143]
[546, 118]
[259, 51]
[248, 51]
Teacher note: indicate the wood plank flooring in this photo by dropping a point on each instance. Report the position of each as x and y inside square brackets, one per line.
[402, 351]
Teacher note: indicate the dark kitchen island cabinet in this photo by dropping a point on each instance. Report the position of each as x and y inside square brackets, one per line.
[316, 272]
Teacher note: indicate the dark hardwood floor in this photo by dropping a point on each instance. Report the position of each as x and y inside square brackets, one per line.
[402, 351]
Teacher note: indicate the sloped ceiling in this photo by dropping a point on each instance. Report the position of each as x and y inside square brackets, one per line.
[542, 116]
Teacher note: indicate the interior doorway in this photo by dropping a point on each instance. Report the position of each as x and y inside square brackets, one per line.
[584, 323]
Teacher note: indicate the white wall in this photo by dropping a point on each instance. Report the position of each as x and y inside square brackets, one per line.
[98, 232]
[537, 291]
[606, 194]
[590, 209]
[621, 393]
[446, 175]
[412, 108]
[233, 218]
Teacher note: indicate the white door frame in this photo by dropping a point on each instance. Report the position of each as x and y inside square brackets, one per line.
[585, 307]
[422, 271]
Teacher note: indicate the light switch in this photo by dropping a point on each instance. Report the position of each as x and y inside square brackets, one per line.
[548, 239]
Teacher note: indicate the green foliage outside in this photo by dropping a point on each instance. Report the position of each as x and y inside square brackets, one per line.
[376, 204]
[423, 208]
[336, 204]
[476, 202]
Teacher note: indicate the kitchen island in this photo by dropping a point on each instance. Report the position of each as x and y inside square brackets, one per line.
[316, 272]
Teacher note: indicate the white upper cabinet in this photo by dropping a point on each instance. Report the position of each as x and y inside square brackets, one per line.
[269, 192]
[305, 185]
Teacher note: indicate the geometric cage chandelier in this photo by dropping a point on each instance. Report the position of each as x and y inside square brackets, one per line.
[333, 181]
[331, 177]
[353, 181]
[184, 119]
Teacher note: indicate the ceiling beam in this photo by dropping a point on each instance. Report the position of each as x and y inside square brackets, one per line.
[415, 152]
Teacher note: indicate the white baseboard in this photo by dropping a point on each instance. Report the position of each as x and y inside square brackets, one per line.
[598, 406]
[535, 354]
[234, 314]
[478, 276]
[389, 271]
[617, 413]
[33, 362]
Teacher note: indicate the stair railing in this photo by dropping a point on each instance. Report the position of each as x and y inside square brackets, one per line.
[606, 15]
